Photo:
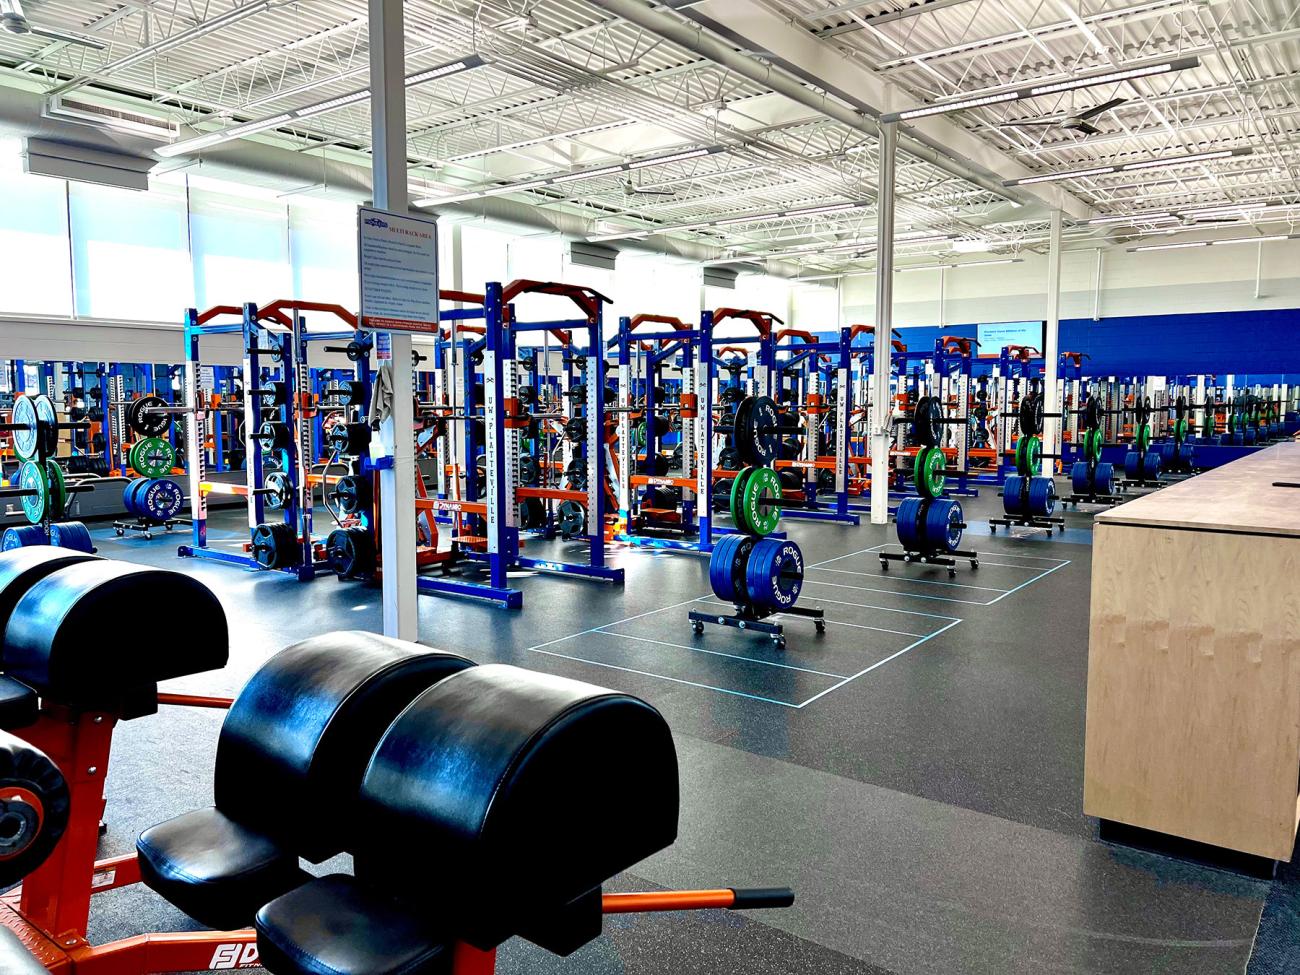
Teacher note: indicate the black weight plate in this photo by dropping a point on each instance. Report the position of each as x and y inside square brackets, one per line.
[1092, 413]
[47, 428]
[1031, 415]
[145, 423]
[927, 421]
[766, 439]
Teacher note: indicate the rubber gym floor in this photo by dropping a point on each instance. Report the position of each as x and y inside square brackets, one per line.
[916, 774]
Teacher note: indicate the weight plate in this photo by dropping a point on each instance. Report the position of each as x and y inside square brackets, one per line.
[774, 576]
[278, 483]
[23, 536]
[907, 520]
[927, 421]
[160, 499]
[943, 520]
[144, 423]
[1143, 437]
[58, 488]
[928, 472]
[1104, 478]
[32, 478]
[728, 459]
[1079, 477]
[1042, 496]
[1031, 414]
[71, 534]
[1180, 407]
[766, 439]
[1132, 465]
[350, 551]
[47, 427]
[532, 513]
[737, 492]
[23, 417]
[1029, 454]
[758, 513]
[572, 518]
[727, 565]
[1092, 413]
[742, 430]
[1014, 494]
[152, 457]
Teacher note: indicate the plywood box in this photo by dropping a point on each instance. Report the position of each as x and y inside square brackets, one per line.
[1193, 725]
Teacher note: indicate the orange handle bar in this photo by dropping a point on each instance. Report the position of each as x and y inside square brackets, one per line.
[196, 701]
[696, 900]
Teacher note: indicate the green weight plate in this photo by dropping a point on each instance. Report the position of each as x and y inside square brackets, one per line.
[32, 477]
[1143, 438]
[737, 489]
[1180, 431]
[928, 472]
[24, 418]
[152, 457]
[639, 433]
[1092, 443]
[759, 518]
[47, 427]
[58, 489]
[1029, 452]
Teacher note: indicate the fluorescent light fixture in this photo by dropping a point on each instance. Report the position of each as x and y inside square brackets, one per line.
[1034, 91]
[833, 208]
[587, 174]
[911, 113]
[1129, 166]
[1125, 74]
[1133, 218]
[308, 111]
[675, 157]
[1228, 209]
[1170, 247]
[1052, 177]
[1180, 160]
[937, 267]
[1252, 240]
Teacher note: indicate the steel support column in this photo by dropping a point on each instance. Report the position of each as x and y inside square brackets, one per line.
[1051, 335]
[396, 483]
[882, 414]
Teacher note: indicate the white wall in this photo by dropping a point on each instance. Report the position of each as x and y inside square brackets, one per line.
[1188, 280]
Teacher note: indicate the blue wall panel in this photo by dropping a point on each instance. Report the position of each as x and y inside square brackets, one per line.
[1264, 345]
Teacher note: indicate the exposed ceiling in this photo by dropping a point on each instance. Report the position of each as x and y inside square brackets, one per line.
[565, 105]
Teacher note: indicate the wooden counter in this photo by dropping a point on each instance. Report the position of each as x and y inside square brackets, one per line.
[1193, 725]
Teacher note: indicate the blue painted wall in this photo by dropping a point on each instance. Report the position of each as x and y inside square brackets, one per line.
[1261, 345]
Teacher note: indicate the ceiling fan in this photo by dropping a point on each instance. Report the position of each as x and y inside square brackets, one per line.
[14, 21]
[1071, 121]
[632, 189]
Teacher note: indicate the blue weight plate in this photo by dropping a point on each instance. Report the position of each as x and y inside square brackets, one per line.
[23, 417]
[129, 495]
[1079, 477]
[1151, 464]
[941, 521]
[161, 499]
[1042, 496]
[1168, 451]
[720, 567]
[774, 577]
[71, 534]
[1104, 479]
[1132, 465]
[1013, 491]
[22, 537]
[907, 520]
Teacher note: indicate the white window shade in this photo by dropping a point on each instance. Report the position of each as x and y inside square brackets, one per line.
[323, 253]
[34, 246]
[240, 250]
[129, 253]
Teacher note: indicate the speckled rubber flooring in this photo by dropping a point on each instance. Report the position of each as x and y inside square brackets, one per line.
[915, 774]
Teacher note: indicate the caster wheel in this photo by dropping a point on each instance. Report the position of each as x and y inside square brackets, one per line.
[698, 628]
[120, 533]
[821, 626]
[884, 565]
[974, 563]
[993, 529]
[952, 573]
[780, 643]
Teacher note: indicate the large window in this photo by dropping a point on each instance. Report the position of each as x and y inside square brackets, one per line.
[34, 246]
[129, 253]
[240, 250]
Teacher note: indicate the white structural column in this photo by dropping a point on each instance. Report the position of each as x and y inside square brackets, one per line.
[1051, 346]
[396, 484]
[882, 414]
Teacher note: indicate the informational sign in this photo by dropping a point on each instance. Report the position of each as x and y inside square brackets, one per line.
[207, 377]
[384, 347]
[398, 263]
[994, 337]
